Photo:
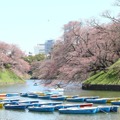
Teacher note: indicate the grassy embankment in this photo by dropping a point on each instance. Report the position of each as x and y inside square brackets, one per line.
[109, 77]
[9, 77]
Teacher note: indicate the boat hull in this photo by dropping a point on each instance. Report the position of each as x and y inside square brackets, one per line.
[115, 102]
[42, 109]
[97, 101]
[114, 108]
[58, 98]
[104, 108]
[76, 99]
[24, 94]
[15, 107]
[78, 110]
[57, 107]
[44, 97]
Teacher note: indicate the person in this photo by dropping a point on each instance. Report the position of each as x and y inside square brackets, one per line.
[58, 86]
[35, 84]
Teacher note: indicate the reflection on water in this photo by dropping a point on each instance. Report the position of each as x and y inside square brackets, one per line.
[26, 115]
[28, 86]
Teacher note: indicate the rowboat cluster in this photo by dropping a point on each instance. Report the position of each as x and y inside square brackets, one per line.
[77, 104]
[75, 98]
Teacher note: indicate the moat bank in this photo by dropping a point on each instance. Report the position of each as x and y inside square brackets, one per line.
[8, 77]
[101, 87]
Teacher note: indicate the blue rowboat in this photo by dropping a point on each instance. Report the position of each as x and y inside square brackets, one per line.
[60, 98]
[108, 108]
[10, 101]
[115, 102]
[55, 103]
[44, 97]
[91, 97]
[26, 104]
[28, 101]
[98, 101]
[43, 108]
[12, 94]
[76, 110]
[76, 99]
[75, 96]
[24, 94]
[32, 95]
[40, 104]
[46, 103]
[57, 107]
[104, 108]
[114, 108]
[11, 106]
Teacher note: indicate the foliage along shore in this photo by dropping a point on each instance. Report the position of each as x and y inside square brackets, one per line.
[13, 67]
[8, 77]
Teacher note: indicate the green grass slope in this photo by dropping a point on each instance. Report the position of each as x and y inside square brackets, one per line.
[110, 77]
[9, 77]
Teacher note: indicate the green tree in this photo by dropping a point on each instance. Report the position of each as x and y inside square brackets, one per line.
[33, 58]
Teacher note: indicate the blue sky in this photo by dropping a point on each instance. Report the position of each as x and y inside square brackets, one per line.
[29, 22]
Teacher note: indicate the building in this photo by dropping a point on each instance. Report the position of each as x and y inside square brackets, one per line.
[48, 46]
[39, 49]
[44, 48]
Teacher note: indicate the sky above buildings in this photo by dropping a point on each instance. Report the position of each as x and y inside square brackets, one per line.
[27, 23]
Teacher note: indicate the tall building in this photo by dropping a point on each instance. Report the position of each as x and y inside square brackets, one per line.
[39, 49]
[44, 48]
[48, 46]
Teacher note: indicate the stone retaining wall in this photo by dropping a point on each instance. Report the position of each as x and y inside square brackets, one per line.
[101, 87]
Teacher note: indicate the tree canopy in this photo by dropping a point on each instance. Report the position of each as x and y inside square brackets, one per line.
[83, 49]
[11, 57]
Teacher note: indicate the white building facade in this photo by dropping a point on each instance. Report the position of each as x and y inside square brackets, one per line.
[44, 48]
[39, 49]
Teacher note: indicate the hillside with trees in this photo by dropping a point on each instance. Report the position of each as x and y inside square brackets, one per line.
[84, 49]
[110, 77]
[12, 65]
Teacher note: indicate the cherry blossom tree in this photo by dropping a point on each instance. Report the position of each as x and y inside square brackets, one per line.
[83, 49]
[11, 57]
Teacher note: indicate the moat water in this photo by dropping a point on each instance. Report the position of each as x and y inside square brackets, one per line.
[27, 115]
